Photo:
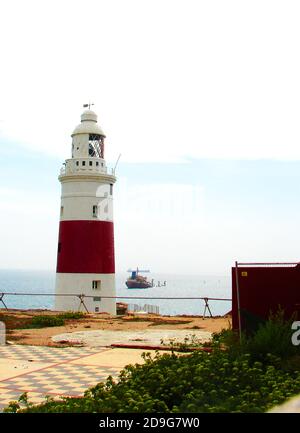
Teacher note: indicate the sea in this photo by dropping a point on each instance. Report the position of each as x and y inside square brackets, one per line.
[37, 292]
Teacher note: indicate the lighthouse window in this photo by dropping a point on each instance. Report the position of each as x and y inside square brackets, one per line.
[111, 189]
[59, 247]
[83, 162]
[97, 163]
[95, 211]
[97, 299]
[96, 145]
[61, 211]
[96, 284]
[91, 163]
[77, 163]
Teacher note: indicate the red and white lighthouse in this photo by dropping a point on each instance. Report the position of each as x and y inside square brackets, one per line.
[85, 258]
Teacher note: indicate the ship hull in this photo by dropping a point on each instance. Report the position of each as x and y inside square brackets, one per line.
[136, 285]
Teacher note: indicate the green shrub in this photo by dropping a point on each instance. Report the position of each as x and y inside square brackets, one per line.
[45, 321]
[272, 337]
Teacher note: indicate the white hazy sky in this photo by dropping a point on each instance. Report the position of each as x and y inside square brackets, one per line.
[172, 82]
[170, 79]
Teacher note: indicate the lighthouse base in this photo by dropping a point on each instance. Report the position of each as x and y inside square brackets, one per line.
[94, 287]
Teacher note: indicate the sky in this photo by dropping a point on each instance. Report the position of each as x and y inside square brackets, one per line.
[201, 99]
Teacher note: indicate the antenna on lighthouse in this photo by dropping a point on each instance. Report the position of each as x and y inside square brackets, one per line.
[117, 162]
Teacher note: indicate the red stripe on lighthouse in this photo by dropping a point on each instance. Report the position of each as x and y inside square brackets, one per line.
[86, 247]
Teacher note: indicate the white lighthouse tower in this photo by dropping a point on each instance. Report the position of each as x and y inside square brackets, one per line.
[85, 257]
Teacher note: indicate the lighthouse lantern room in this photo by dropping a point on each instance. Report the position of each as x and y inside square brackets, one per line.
[85, 256]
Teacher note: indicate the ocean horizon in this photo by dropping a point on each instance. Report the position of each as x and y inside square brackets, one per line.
[38, 287]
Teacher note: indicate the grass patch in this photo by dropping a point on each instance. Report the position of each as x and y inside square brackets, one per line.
[39, 321]
[45, 321]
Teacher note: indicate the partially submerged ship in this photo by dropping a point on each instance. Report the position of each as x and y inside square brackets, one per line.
[136, 281]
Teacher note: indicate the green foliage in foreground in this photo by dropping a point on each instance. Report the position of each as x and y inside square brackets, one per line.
[199, 382]
[248, 376]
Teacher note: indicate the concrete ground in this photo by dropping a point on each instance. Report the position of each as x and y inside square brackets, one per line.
[145, 337]
[57, 372]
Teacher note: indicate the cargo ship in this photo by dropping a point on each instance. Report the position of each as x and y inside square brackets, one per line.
[136, 281]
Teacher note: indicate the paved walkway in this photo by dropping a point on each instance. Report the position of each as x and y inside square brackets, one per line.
[57, 372]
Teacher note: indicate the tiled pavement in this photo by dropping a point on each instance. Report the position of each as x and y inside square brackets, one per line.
[44, 354]
[55, 372]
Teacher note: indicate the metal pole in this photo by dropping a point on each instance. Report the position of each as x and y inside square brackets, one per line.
[238, 299]
[206, 307]
[204, 311]
[1, 299]
[81, 297]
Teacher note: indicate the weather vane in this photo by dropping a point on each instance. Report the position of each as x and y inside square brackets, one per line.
[88, 105]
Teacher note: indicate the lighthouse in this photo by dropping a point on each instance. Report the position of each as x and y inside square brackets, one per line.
[85, 273]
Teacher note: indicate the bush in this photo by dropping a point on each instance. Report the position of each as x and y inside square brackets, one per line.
[272, 337]
[45, 321]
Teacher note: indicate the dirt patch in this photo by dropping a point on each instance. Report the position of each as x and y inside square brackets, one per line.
[168, 322]
[156, 320]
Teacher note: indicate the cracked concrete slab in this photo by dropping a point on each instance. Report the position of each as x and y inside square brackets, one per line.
[100, 338]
